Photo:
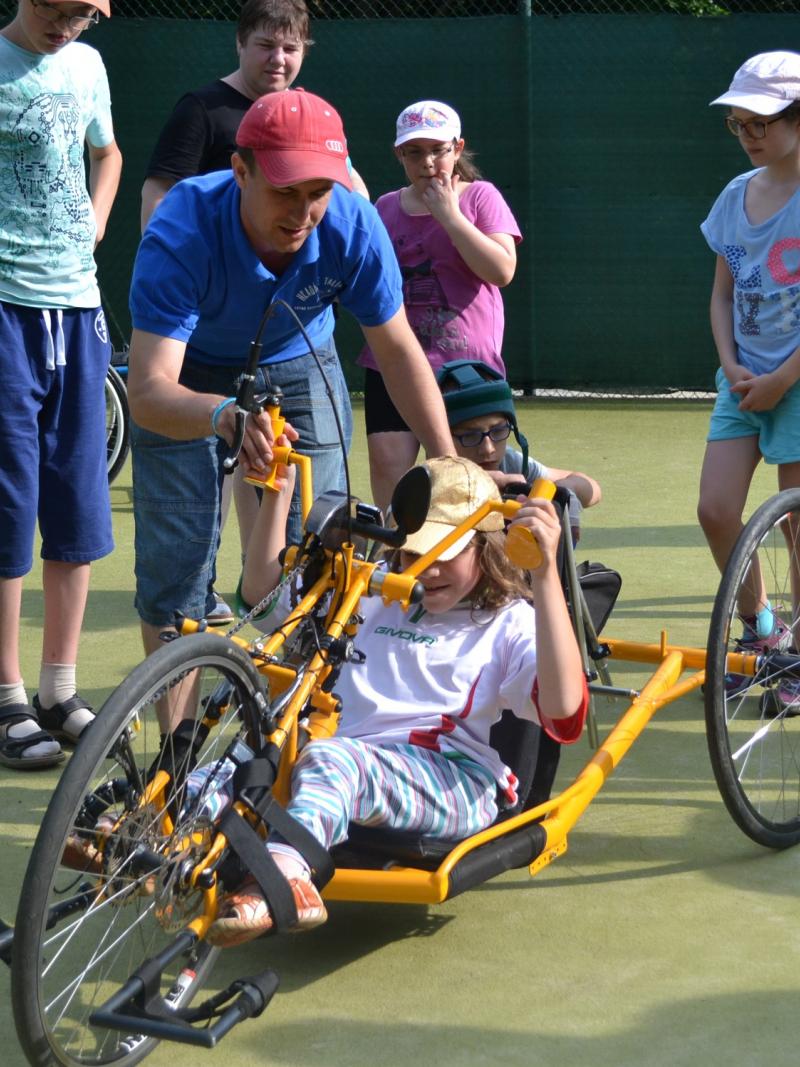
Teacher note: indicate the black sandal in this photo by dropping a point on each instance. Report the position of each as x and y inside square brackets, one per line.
[13, 749]
[55, 719]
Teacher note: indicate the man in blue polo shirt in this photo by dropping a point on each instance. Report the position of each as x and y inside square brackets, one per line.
[283, 225]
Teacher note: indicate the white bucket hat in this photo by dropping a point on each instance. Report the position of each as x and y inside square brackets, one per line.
[765, 84]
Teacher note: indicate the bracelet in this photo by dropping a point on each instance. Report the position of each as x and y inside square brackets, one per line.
[215, 414]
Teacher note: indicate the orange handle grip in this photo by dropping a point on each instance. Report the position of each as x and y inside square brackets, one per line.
[267, 480]
[522, 547]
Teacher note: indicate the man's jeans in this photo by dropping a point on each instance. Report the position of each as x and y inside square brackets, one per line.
[177, 484]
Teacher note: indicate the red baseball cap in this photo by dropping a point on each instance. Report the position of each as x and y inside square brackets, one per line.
[295, 137]
[103, 6]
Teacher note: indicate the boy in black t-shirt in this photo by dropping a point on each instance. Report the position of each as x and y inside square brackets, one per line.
[272, 39]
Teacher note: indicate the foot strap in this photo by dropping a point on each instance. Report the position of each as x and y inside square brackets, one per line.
[16, 747]
[11, 714]
[249, 847]
[252, 783]
[58, 716]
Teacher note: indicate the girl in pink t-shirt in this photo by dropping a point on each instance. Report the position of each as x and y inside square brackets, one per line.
[455, 239]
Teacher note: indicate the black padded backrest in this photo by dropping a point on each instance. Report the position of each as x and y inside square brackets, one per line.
[532, 756]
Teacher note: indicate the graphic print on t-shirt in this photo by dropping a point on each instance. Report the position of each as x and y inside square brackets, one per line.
[49, 173]
[429, 312]
[783, 266]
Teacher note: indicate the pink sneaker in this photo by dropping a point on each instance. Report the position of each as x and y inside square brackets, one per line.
[779, 638]
[783, 699]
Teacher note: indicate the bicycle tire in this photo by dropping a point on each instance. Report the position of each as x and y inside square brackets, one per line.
[62, 970]
[118, 428]
[753, 739]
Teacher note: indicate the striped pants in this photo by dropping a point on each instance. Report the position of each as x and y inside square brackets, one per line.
[403, 787]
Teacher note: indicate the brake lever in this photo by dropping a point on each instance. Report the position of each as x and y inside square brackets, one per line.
[249, 404]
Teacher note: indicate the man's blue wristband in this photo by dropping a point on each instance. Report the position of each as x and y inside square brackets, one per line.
[215, 414]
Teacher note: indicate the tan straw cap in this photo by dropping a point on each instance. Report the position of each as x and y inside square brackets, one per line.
[458, 488]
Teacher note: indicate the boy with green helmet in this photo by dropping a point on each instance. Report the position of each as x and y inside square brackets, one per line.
[481, 413]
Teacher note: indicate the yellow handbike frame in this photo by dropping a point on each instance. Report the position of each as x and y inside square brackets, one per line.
[350, 578]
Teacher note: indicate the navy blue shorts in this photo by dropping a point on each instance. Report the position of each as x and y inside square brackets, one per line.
[53, 436]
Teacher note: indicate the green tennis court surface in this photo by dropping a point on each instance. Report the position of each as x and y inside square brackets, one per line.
[663, 936]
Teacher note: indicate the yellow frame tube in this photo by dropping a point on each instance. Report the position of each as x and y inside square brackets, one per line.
[303, 463]
[507, 508]
[693, 658]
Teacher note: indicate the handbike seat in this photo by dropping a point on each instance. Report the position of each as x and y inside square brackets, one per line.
[532, 756]
[375, 847]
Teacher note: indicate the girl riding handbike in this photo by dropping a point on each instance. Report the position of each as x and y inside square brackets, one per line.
[412, 750]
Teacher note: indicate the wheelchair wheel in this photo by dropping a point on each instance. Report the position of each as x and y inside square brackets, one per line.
[105, 887]
[117, 423]
[753, 723]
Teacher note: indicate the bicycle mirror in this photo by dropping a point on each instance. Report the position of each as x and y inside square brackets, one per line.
[411, 499]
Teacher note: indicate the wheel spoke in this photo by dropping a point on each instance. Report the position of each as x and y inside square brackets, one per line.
[126, 803]
[752, 722]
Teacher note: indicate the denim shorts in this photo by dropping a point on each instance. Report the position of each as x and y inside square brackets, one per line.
[177, 484]
[53, 436]
[778, 430]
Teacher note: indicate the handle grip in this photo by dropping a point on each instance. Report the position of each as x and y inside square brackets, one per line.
[522, 547]
[267, 480]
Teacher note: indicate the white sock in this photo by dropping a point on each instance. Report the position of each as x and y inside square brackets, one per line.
[56, 683]
[13, 693]
[290, 863]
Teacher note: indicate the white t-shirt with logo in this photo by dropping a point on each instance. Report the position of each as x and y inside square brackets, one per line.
[440, 681]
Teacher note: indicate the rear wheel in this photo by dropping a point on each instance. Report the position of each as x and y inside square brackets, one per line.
[106, 886]
[753, 723]
[117, 423]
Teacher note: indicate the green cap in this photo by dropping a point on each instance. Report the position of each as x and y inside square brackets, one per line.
[471, 388]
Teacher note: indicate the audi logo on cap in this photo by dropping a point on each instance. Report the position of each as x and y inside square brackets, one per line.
[334, 146]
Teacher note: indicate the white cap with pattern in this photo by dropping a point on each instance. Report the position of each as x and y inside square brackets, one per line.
[430, 119]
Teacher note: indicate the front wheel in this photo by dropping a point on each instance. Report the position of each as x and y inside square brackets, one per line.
[106, 886]
[753, 723]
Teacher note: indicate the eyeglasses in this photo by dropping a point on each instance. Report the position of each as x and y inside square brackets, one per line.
[473, 438]
[51, 13]
[417, 155]
[755, 128]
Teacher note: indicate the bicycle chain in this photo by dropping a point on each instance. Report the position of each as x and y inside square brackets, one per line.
[266, 601]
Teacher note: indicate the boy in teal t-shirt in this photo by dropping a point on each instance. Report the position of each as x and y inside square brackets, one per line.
[55, 353]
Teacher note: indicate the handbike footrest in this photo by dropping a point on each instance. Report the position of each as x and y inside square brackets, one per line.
[139, 1008]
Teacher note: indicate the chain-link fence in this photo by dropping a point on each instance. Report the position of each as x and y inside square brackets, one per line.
[591, 117]
[226, 10]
